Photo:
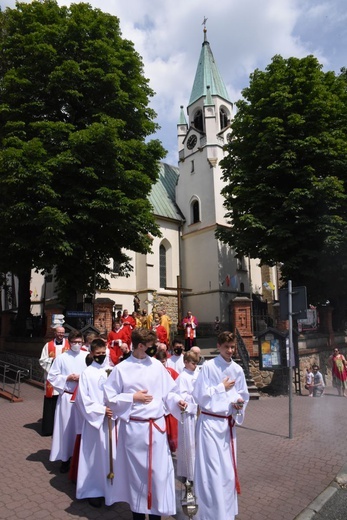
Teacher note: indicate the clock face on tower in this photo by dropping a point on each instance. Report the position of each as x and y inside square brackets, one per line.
[191, 142]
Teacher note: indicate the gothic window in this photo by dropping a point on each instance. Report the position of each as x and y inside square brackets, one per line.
[162, 266]
[224, 118]
[242, 287]
[192, 167]
[198, 122]
[115, 267]
[195, 211]
[241, 264]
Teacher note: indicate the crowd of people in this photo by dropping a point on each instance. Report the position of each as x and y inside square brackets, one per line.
[126, 402]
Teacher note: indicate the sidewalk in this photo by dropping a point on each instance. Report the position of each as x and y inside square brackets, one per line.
[279, 476]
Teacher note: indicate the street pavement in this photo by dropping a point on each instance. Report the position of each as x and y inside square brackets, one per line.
[280, 477]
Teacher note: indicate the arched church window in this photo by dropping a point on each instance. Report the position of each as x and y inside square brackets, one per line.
[242, 287]
[198, 121]
[195, 211]
[224, 118]
[162, 266]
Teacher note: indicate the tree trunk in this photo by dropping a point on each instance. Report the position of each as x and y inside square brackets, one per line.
[326, 324]
[20, 326]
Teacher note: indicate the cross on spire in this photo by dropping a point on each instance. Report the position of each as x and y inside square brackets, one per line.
[205, 30]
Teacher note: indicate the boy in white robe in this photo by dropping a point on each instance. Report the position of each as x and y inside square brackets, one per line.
[176, 360]
[221, 393]
[140, 391]
[64, 376]
[97, 453]
[187, 424]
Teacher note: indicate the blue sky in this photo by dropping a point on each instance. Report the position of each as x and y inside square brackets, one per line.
[244, 35]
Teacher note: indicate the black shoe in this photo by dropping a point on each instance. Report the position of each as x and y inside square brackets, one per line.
[95, 502]
[65, 466]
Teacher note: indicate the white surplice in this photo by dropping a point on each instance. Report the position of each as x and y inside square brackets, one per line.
[187, 425]
[175, 362]
[67, 420]
[214, 480]
[94, 457]
[132, 459]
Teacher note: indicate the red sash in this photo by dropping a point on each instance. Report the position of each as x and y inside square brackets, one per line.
[231, 423]
[151, 424]
[51, 353]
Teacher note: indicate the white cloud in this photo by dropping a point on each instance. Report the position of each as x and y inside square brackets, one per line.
[244, 35]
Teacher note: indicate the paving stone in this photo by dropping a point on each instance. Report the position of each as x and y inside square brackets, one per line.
[279, 476]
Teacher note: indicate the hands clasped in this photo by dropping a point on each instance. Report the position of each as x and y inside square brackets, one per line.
[182, 405]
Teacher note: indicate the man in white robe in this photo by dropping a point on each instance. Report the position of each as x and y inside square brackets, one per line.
[140, 391]
[221, 393]
[97, 455]
[64, 376]
[50, 351]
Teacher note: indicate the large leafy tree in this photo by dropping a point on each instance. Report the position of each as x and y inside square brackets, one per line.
[75, 164]
[286, 174]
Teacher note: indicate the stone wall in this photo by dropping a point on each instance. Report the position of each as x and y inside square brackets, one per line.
[169, 303]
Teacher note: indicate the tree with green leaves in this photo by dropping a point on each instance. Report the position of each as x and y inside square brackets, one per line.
[286, 174]
[75, 163]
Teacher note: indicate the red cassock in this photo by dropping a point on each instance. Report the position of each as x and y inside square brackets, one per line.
[121, 334]
[171, 422]
[115, 353]
[161, 334]
[128, 326]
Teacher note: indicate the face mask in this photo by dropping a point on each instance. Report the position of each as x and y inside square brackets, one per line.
[178, 351]
[100, 359]
[75, 347]
[151, 351]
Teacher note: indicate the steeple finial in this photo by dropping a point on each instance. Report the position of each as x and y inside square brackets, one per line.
[205, 30]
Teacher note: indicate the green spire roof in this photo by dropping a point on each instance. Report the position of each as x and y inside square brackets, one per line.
[163, 193]
[182, 120]
[207, 74]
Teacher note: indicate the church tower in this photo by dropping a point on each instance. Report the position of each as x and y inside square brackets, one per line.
[209, 268]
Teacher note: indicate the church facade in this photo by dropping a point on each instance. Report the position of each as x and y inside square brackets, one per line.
[188, 268]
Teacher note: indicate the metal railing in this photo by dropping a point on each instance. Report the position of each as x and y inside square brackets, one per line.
[243, 353]
[11, 377]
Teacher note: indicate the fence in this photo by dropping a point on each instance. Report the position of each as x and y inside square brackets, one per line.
[11, 377]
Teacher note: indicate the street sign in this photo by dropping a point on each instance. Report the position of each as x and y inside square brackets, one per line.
[78, 314]
[299, 303]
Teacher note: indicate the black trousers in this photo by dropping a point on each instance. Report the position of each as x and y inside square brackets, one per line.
[189, 343]
[49, 405]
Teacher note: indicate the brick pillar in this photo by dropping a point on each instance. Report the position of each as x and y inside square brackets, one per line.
[103, 308]
[242, 319]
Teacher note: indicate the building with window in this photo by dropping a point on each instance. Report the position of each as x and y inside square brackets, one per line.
[188, 268]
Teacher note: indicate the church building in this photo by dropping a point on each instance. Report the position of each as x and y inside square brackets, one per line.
[188, 268]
